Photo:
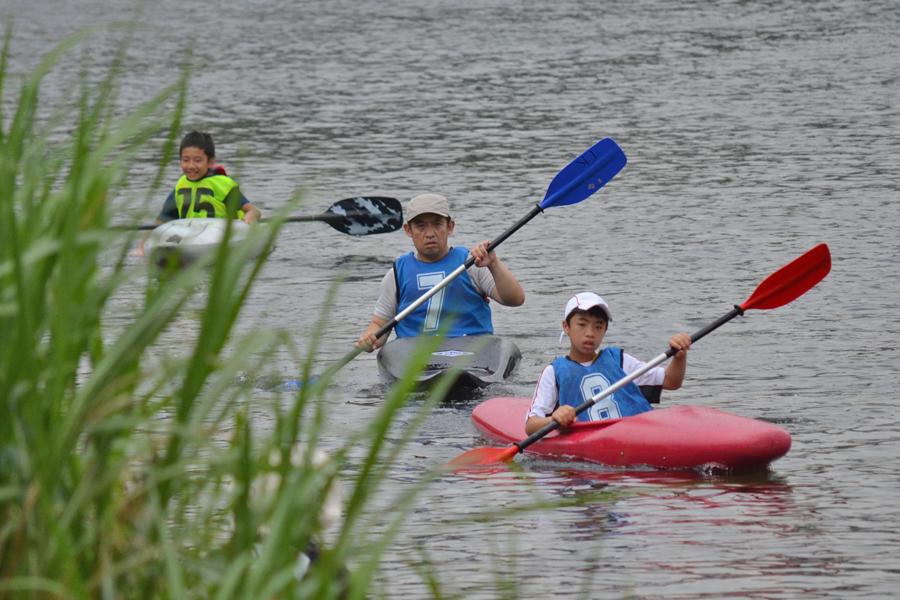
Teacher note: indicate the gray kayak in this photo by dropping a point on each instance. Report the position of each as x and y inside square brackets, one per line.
[482, 359]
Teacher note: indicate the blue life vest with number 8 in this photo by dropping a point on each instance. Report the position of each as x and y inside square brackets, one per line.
[577, 384]
[458, 304]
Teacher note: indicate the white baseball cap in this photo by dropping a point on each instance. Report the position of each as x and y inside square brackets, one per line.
[427, 203]
[586, 301]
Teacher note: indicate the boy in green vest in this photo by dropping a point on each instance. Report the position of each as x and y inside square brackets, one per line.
[204, 191]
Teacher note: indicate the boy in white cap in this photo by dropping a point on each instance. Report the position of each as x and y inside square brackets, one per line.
[572, 380]
[463, 303]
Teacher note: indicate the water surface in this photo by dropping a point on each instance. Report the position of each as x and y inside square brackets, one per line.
[754, 131]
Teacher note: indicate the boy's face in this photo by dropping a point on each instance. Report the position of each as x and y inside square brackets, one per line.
[195, 163]
[429, 233]
[585, 333]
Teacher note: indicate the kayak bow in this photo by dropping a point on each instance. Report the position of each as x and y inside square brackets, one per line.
[481, 360]
[187, 240]
[679, 437]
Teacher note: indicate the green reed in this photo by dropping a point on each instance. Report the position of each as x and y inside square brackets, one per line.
[120, 479]
[127, 475]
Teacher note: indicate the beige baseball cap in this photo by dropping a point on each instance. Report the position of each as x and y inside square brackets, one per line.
[427, 203]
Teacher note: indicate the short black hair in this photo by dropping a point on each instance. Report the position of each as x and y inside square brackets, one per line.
[594, 311]
[201, 140]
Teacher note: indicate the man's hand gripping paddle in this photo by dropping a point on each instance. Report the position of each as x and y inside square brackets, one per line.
[781, 287]
[579, 180]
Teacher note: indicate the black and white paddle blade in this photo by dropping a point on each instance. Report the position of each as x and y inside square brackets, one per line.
[365, 215]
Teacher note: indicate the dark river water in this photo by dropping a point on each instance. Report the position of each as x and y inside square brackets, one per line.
[753, 130]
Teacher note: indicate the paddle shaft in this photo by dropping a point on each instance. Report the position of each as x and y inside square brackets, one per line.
[554, 425]
[381, 209]
[322, 217]
[386, 328]
[603, 157]
[325, 217]
[781, 287]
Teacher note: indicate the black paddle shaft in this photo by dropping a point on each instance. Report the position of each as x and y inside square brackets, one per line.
[502, 237]
[737, 311]
[327, 217]
[554, 425]
[386, 328]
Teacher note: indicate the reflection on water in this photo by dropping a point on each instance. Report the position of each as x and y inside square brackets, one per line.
[754, 131]
[610, 531]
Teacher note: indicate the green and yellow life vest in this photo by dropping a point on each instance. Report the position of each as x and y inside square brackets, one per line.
[206, 197]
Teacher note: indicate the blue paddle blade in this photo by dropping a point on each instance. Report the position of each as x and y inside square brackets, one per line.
[586, 174]
[292, 385]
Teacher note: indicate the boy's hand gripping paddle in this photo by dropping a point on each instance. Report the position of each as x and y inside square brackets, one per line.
[577, 181]
[781, 287]
[353, 216]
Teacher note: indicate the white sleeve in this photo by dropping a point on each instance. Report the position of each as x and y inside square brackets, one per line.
[545, 395]
[386, 305]
[482, 280]
[654, 376]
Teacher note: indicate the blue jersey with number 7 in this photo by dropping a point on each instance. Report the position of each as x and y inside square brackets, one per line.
[457, 306]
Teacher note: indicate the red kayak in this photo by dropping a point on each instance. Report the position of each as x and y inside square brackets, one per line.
[680, 437]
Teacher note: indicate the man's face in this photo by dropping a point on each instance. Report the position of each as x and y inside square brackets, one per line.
[429, 233]
[195, 164]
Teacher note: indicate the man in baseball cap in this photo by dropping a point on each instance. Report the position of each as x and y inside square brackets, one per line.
[427, 203]
[572, 380]
[461, 308]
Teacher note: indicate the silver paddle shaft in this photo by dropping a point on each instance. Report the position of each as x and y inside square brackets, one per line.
[424, 297]
[589, 403]
[621, 383]
[456, 273]
[736, 311]
[386, 328]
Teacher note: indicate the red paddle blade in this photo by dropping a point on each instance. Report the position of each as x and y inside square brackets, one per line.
[483, 456]
[792, 280]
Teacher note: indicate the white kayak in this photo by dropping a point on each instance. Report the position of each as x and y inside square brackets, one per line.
[187, 240]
